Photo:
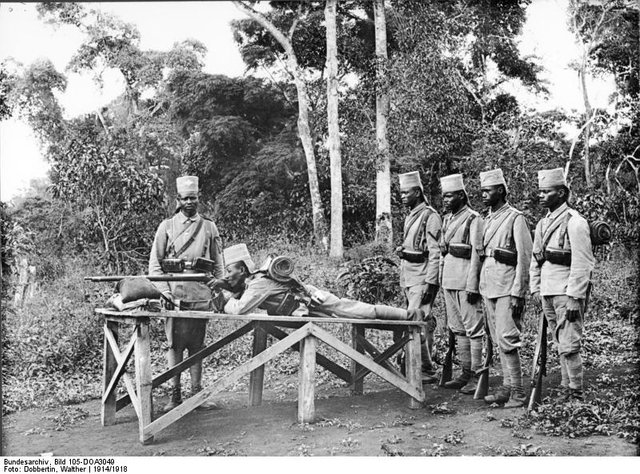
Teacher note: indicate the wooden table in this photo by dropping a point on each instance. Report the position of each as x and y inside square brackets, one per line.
[304, 338]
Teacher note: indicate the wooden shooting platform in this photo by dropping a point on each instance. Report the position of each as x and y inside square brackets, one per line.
[304, 338]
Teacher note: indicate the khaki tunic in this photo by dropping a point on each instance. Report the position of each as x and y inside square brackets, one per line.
[552, 279]
[498, 279]
[171, 235]
[427, 272]
[461, 273]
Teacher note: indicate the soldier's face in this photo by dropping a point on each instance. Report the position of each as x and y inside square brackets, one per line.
[235, 275]
[491, 195]
[188, 203]
[410, 196]
[550, 197]
[452, 201]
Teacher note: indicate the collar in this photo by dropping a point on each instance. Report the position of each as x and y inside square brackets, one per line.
[461, 211]
[499, 211]
[557, 212]
[419, 208]
[184, 219]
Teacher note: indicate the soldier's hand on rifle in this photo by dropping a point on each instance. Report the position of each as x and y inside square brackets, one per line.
[472, 298]
[399, 252]
[517, 306]
[429, 294]
[218, 284]
[573, 309]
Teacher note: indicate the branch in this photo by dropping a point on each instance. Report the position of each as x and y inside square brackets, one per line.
[575, 140]
[266, 24]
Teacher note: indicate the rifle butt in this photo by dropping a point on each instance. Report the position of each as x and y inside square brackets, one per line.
[447, 371]
[482, 389]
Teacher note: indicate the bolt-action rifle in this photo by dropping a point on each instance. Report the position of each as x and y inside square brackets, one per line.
[482, 389]
[447, 368]
[173, 268]
[539, 365]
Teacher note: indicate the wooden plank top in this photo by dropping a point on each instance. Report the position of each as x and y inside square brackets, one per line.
[113, 315]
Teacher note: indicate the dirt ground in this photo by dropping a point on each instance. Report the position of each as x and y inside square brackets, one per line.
[379, 423]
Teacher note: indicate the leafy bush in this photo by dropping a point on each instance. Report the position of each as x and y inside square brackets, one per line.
[372, 280]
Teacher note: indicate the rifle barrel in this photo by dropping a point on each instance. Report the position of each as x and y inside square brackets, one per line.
[202, 277]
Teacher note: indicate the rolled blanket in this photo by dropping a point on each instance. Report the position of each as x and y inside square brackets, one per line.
[281, 268]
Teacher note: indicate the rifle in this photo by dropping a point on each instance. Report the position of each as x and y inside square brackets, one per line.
[447, 368]
[482, 388]
[539, 365]
[173, 268]
[201, 277]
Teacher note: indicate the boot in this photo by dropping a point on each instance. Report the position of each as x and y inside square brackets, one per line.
[207, 404]
[517, 399]
[470, 387]
[429, 376]
[176, 399]
[501, 395]
[460, 381]
[570, 395]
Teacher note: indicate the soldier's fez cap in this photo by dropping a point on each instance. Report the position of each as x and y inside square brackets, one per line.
[452, 183]
[492, 178]
[551, 178]
[187, 185]
[410, 180]
[239, 253]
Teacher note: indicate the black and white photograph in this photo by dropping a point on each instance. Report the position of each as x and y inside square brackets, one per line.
[319, 228]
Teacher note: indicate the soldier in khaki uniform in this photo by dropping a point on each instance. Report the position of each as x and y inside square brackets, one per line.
[186, 235]
[504, 280]
[246, 289]
[419, 260]
[561, 274]
[459, 279]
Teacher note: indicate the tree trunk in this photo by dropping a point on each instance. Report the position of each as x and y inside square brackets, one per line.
[587, 131]
[304, 130]
[336, 250]
[384, 229]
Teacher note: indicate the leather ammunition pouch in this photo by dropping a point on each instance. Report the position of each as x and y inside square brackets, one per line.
[415, 257]
[283, 304]
[558, 256]
[506, 256]
[460, 250]
[172, 265]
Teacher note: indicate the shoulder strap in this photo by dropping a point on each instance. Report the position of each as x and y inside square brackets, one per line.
[188, 243]
[512, 222]
[551, 229]
[467, 229]
[485, 240]
[421, 229]
[563, 230]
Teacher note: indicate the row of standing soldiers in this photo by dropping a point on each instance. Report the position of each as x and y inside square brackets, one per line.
[487, 267]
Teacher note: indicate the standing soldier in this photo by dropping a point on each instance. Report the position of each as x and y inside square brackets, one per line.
[459, 278]
[419, 256]
[504, 279]
[561, 274]
[187, 235]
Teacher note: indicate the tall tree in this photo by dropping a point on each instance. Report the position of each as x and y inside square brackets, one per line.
[384, 228]
[336, 250]
[605, 31]
[304, 129]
